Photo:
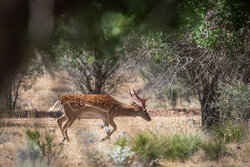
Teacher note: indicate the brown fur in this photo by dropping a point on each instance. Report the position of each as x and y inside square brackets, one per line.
[97, 106]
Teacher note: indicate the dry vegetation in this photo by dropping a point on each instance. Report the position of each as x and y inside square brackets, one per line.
[85, 148]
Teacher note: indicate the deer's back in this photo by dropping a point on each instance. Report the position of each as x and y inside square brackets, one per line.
[103, 101]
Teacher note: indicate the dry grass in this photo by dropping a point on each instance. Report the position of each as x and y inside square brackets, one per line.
[75, 152]
[49, 88]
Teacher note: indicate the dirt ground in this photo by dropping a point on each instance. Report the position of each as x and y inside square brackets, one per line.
[12, 137]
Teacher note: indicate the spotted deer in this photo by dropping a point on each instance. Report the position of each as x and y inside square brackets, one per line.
[98, 106]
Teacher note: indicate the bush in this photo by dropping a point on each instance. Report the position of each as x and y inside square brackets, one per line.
[119, 155]
[180, 146]
[38, 152]
[146, 147]
[122, 141]
[86, 136]
[87, 140]
[230, 131]
[234, 102]
[150, 146]
[216, 149]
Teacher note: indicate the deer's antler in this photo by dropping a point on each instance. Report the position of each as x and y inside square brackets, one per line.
[135, 96]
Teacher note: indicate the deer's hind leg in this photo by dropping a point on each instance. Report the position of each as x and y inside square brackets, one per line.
[66, 127]
[69, 115]
[59, 122]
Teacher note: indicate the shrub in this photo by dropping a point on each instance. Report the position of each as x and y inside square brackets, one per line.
[87, 140]
[180, 146]
[4, 137]
[216, 149]
[146, 147]
[38, 151]
[95, 156]
[119, 155]
[150, 146]
[122, 141]
[230, 131]
[86, 136]
[104, 154]
[234, 102]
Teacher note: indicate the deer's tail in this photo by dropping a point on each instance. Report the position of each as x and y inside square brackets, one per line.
[51, 109]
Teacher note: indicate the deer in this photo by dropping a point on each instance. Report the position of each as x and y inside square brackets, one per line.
[98, 106]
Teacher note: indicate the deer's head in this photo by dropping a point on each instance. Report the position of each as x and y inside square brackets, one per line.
[141, 109]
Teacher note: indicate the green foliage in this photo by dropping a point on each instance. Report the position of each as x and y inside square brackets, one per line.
[150, 146]
[180, 146]
[230, 131]
[205, 18]
[156, 43]
[90, 35]
[204, 36]
[234, 102]
[91, 45]
[201, 23]
[38, 149]
[113, 24]
[216, 149]
[122, 141]
[209, 47]
[145, 148]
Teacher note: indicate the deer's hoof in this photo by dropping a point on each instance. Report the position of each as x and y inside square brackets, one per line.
[102, 125]
[62, 139]
[105, 138]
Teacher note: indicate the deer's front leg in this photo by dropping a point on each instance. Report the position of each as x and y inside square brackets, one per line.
[112, 123]
[105, 124]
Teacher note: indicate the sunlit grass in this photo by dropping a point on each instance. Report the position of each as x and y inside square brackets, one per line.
[175, 139]
[230, 131]
[148, 146]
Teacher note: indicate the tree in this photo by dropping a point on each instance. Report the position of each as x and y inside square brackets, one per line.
[95, 38]
[21, 82]
[210, 47]
[95, 55]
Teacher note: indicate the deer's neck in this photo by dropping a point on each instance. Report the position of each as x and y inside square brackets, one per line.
[125, 110]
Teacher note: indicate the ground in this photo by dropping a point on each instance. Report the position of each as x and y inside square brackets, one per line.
[49, 88]
[12, 137]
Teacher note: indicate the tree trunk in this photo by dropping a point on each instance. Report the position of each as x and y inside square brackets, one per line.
[16, 95]
[9, 95]
[210, 115]
[98, 78]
